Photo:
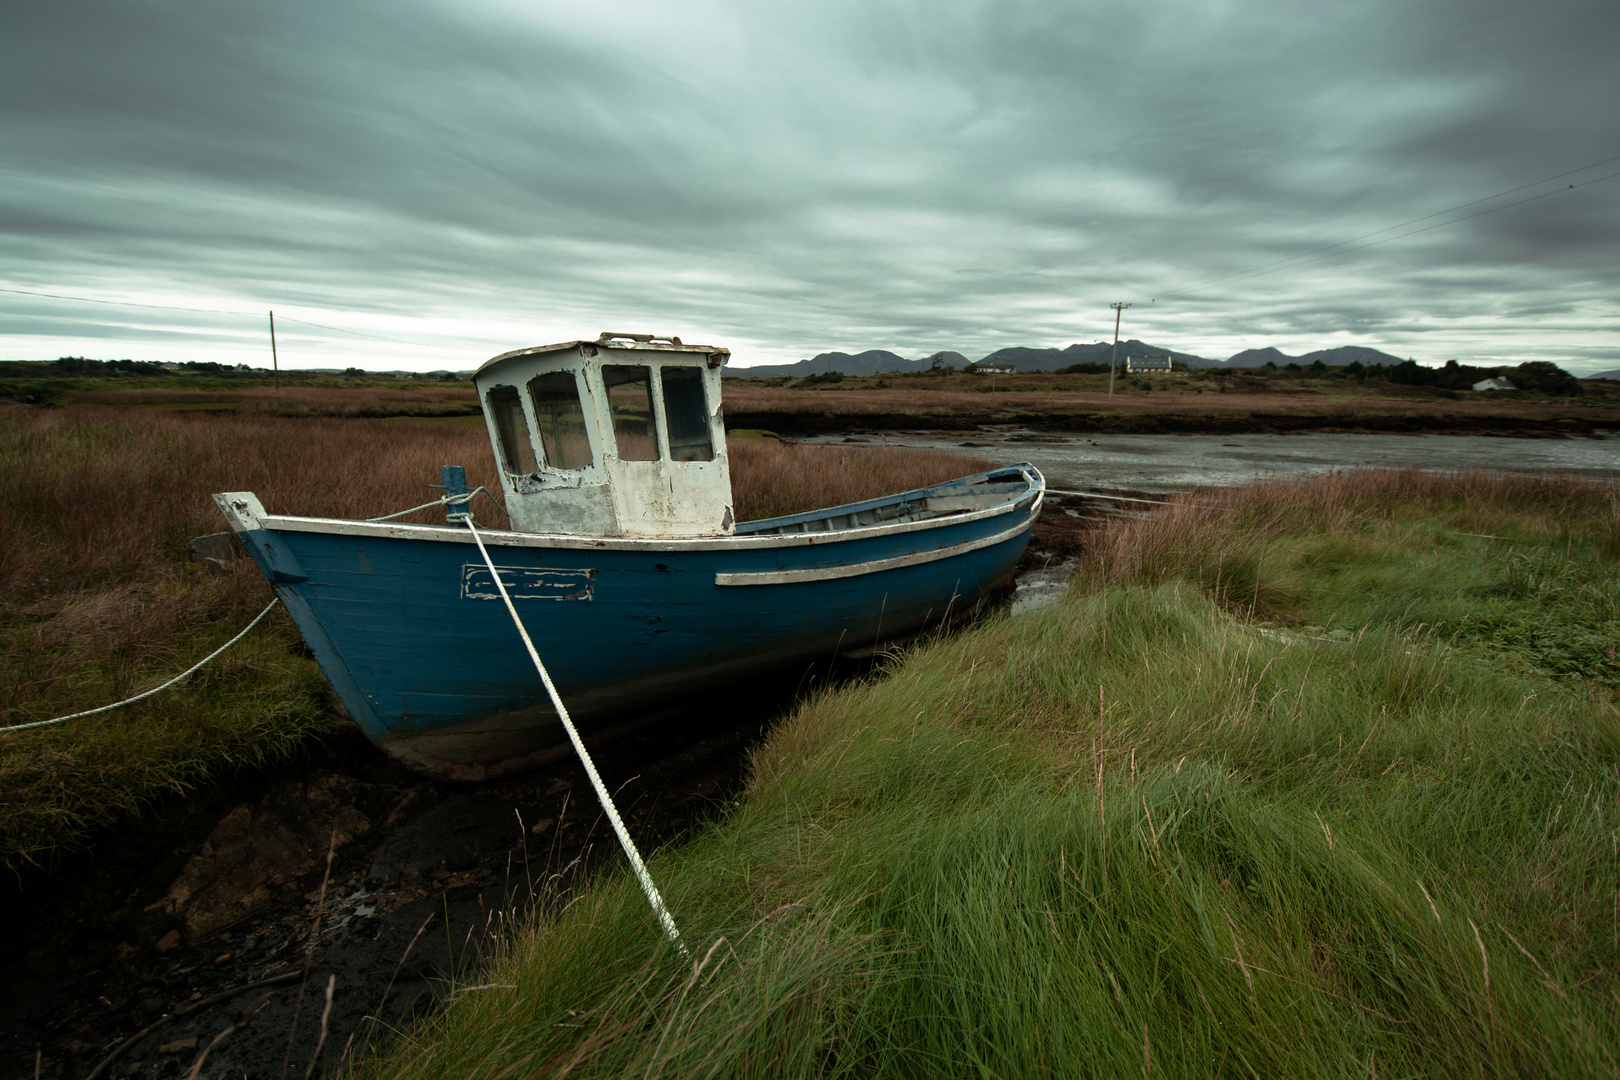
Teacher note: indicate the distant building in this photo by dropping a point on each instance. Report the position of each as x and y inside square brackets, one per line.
[1494, 384]
[1148, 365]
[990, 369]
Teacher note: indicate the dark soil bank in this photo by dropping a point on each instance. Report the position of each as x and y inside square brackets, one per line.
[1172, 423]
[223, 891]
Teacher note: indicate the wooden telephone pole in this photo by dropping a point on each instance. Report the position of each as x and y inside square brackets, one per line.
[276, 361]
[1119, 309]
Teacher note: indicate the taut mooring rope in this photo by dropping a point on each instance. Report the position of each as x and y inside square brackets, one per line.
[664, 918]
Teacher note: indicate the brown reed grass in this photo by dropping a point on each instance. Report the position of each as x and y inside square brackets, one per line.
[769, 479]
[374, 401]
[103, 499]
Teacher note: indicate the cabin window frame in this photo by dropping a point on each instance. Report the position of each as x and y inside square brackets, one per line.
[666, 447]
[654, 408]
[584, 396]
[506, 446]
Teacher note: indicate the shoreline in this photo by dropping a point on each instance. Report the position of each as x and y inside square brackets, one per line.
[1563, 424]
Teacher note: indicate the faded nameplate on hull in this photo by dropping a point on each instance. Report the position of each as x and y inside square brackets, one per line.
[526, 583]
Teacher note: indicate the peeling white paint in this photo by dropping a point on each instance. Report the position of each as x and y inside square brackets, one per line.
[680, 494]
[526, 583]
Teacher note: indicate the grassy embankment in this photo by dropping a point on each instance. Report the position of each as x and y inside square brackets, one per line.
[100, 602]
[1312, 782]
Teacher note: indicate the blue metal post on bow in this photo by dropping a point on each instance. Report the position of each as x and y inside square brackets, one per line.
[455, 493]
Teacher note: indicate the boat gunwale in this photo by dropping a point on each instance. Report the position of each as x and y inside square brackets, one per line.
[839, 571]
[1035, 490]
[1023, 471]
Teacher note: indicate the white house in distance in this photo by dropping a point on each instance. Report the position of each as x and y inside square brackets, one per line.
[1494, 384]
[990, 368]
[1148, 365]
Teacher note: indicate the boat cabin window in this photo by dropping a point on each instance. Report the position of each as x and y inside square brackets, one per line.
[561, 418]
[629, 389]
[517, 449]
[686, 414]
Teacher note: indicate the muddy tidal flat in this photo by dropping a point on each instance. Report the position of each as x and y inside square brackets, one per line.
[148, 936]
[1165, 463]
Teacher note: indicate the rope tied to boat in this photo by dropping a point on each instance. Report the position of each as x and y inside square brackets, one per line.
[654, 899]
[192, 670]
[462, 500]
[447, 500]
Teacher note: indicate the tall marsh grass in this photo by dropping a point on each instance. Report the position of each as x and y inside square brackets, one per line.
[98, 601]
[304, 401]
[770, 479]
[1135, 834]
[1525, 562]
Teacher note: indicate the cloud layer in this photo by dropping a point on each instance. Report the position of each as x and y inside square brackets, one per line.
[480, 175]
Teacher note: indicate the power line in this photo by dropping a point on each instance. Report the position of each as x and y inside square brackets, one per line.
[374, 337]
[1305, 257]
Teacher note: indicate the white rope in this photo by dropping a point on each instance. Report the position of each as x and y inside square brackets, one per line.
[129, 701]
[664, 918]
[446, 500]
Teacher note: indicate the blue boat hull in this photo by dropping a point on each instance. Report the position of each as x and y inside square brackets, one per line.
[409, 629]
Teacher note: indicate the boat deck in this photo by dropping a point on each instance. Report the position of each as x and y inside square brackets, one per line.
[923, 504]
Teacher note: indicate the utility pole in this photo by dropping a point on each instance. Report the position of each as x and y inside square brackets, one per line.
[276, 362]
[1119, 309]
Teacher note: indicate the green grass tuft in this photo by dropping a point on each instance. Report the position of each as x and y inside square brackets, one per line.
[1136, 834]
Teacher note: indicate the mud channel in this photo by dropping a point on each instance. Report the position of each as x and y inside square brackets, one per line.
[215, 923]
[1180, 462]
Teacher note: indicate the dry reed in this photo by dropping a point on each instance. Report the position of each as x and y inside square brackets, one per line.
[769, 479]
[374, 401]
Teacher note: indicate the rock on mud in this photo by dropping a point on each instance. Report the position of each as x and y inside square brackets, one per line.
[259, 851]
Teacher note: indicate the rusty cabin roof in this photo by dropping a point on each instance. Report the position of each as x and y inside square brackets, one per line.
[640, 342]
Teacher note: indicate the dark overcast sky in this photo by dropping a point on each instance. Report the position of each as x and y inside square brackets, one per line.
[788, 179]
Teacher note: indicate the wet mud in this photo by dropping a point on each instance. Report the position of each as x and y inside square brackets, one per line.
[231, 888]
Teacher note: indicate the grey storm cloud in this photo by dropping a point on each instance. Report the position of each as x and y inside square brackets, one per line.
[789, 179]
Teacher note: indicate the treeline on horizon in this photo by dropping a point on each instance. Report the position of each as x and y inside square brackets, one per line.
[1541, 376]
[82, 367]
[1537, 376]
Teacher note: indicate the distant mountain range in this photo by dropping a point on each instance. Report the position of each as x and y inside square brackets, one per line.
[883, 362]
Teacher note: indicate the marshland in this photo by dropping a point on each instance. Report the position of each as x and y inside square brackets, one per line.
[1304, 777]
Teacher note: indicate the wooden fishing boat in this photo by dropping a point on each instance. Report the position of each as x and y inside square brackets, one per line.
[623, 560]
